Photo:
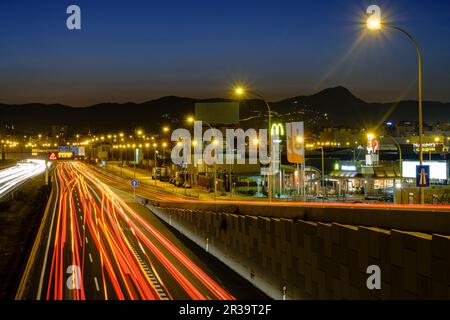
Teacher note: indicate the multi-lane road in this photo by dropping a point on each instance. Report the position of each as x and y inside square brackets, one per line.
[13, 177]
[94, 244]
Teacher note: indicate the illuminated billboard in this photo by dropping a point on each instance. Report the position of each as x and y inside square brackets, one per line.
[295, 142]
[65, 155]
[438, 170]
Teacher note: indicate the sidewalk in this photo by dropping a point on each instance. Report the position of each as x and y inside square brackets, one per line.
[144, 178]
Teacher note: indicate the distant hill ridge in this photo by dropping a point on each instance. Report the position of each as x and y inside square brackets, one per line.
[341, 106]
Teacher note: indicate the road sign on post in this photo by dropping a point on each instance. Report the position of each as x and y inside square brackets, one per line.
[52, 156]
[423, 176]
[134, 184]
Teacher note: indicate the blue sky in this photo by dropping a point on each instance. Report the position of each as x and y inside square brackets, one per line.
[139, 50]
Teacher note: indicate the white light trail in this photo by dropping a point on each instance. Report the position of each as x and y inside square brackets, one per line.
[12, 177]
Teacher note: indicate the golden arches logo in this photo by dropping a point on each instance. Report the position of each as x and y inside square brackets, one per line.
[277, 129]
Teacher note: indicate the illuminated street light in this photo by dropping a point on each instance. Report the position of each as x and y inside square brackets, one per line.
[374, 22]
[214, 142]
[241, 91]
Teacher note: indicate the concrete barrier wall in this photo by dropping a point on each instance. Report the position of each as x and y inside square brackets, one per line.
[411, 218]
[315, 260]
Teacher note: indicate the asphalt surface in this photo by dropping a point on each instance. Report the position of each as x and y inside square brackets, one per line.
[99, 243]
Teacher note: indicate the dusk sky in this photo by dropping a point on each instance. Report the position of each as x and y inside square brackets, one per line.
[141, 50]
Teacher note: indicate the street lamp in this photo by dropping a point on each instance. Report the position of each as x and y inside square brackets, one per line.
[215, 142]
[300, 140]
[164, 145]
[155, 146]
[401, 163]
[241, 92]
[374, 23]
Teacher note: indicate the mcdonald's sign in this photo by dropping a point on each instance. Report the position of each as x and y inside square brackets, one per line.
[277, 130]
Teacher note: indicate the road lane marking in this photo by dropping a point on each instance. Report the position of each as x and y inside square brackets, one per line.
[41, 280]
[142, 248]
[87, 240]
[90, 258]
[96, 284]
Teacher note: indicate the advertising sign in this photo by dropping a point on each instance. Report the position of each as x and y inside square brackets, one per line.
[438, 170]
[295, 142]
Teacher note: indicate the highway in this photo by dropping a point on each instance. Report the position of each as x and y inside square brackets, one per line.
[13, 177]
[99, 247]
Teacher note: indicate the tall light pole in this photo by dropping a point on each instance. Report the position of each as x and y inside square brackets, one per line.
[240, 91]
[215, 141]
[323, 170]
[164, 145]
[299, 140]
[374, 22]
[155, 164]
[401, 163]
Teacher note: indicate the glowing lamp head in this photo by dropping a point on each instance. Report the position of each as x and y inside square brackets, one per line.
[370, 136]
[190, 120]
[299, 139]
[373, 23]
[239, 91]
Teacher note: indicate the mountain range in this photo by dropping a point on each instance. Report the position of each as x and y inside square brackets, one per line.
[337, 105]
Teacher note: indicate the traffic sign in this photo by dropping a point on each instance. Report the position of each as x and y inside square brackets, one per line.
[53, 156]
[423, 176]
[134, 183]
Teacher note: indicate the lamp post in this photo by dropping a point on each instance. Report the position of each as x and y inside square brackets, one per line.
[164, 145]
[374, 23]
[323, 170]
[401, 163]
[300, 140]
[240, 91]
[215, 141]
[155, 164]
